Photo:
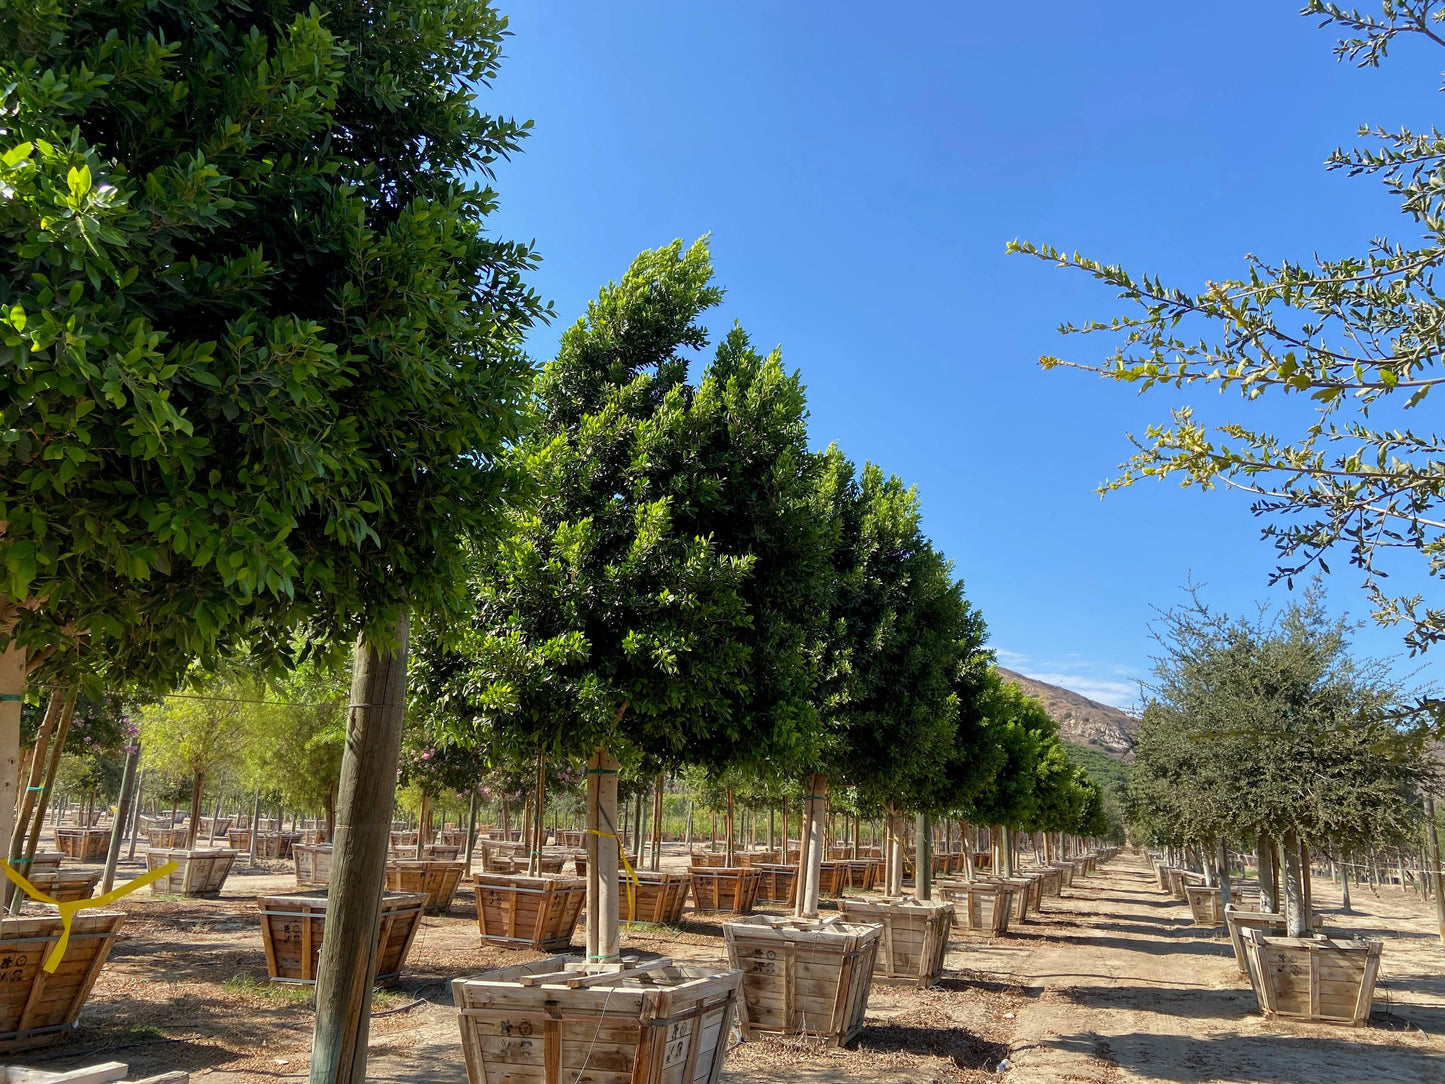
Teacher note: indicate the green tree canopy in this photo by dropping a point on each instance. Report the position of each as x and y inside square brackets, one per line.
[660, 591]
[258, 354]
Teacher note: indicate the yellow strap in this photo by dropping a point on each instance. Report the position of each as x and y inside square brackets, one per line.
[68, 910]
[631, 873]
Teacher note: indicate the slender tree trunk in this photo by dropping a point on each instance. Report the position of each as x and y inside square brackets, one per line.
[895, 852]
[358, 862]
[1306, 885]
[655, 862]
[923, 878]
[1296, 921]
[772, 830]
[256, 830]
[1432, 841]
[967, 850]
[140, 782]
[687, 828]
[471, 829]
[122, 816]
[1268, 897]
[423, 817]
[603, 942]
[39, 760]
[12, 694]
[1006, 850]
[193, 819]
[1345, 884]
[811, 835]
[534, 859]
[731, 847]
[1225, 896]
[639, 831]
[57, 748]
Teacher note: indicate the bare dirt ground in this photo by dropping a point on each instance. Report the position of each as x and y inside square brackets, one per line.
[1110, 984]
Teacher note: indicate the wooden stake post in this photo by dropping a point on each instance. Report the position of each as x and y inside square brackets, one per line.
[358, 869]
[122, 815]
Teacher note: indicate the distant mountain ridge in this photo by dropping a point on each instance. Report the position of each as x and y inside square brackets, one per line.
[1081, 720]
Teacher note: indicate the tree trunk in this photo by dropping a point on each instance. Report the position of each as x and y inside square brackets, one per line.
[1432, 841]
[1225, 897]
[1296, 921]
[12, 694]
[811, 843]
[358, 862]
[423, 817]
[603, 848]
[534, 858]
[1006, 850]
[1306, 884]
[122, 816]
[923, 877]
[894, 884]
[731, 847]
[136, 806]
[57, 748]
[256, 830]
[1268, 875]
[655, 863]
[471, 830]
[39, 761]
[193, 819]
[1345, 884]
[639, 830]
[772, 830]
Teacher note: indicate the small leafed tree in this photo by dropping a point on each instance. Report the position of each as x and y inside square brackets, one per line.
[198, 737]
[1356, 340]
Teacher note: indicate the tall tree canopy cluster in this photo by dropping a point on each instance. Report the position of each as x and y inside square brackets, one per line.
[692, 585]
[1269, 731]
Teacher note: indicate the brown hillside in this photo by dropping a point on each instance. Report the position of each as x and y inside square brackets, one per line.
[1081, 720]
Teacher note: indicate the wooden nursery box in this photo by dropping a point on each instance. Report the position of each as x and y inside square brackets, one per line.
[313, 864]
[276, 845]
[832, 878]
[862, 874]
[758, 858]
[803, 976]
[1051, 881]
[105, 1073]
[197, 872]
[66, 885]
[1238, 920]
[44, 862]
[915, 936]
[979, 906]
[731, 889]
[292, 928]
[1206, 905]
[82, 844]
[1313, 978]
[437, 881]
[708, 858]
[528, 912]
[557, 1020]
[777, 884]
[37, 1008]
[655, 897]
[167, 837]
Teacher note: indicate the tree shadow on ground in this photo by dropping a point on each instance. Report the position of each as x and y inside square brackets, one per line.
[1164, 946]
[1270, 1058]
[1193, 1002]
[964, 1048]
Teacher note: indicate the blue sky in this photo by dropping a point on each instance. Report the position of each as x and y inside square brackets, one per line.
[860, 169]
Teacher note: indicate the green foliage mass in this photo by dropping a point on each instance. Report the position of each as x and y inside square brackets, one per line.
[1269, 726]
[660, 592]
[258, 354]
